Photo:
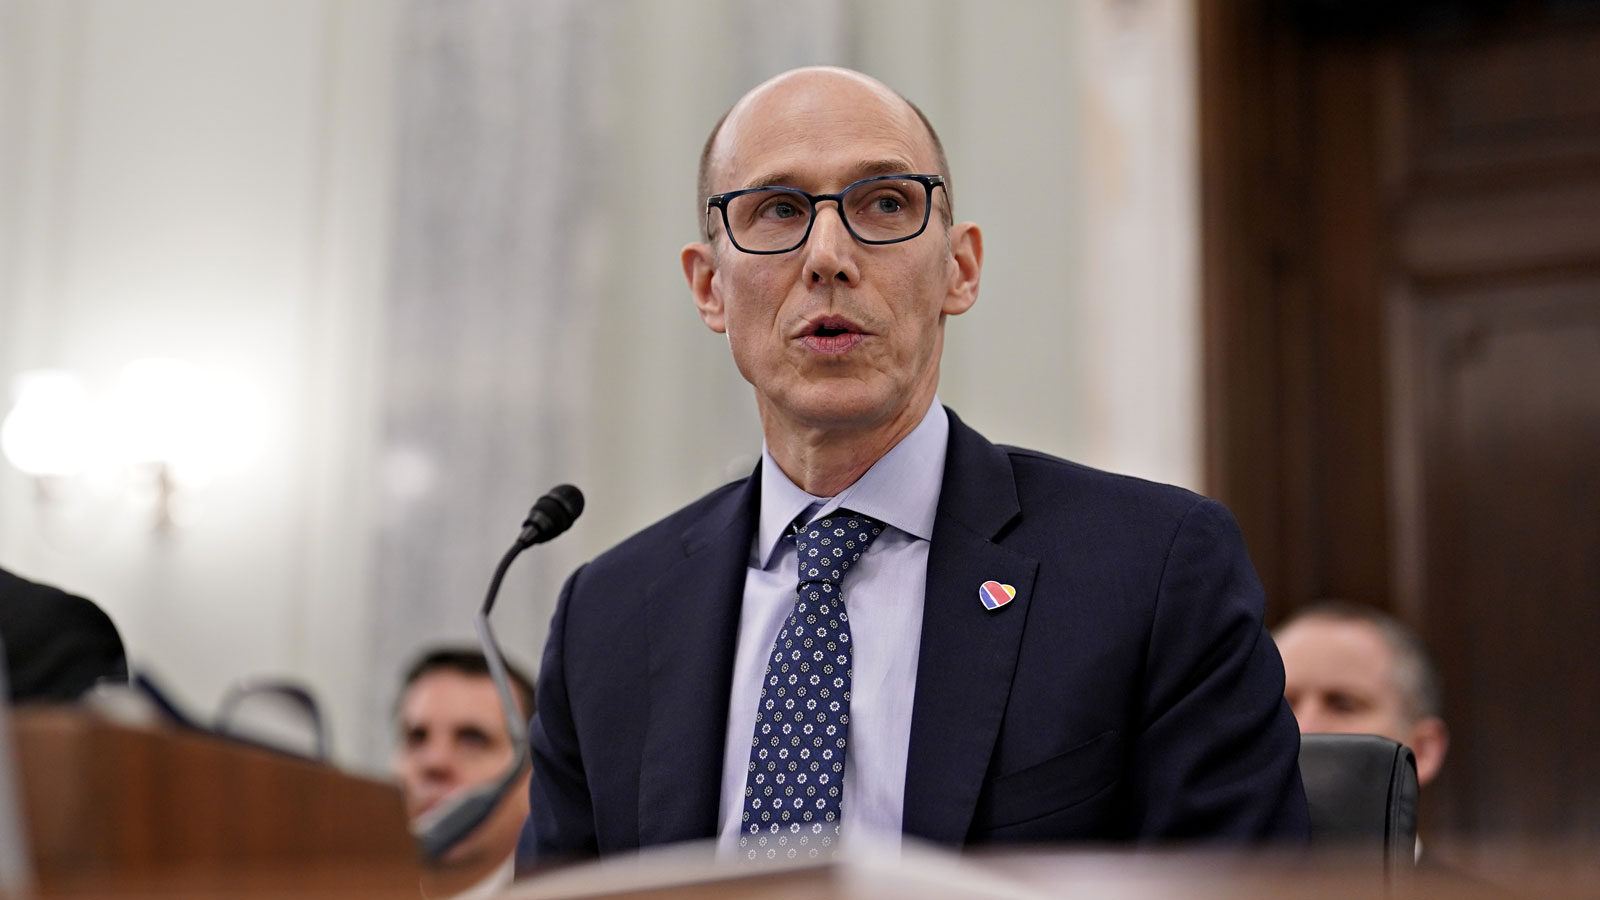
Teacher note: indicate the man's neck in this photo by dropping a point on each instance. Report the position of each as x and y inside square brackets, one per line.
[824, 461]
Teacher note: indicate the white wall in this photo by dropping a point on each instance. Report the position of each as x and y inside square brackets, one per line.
[207, 181]
[217, 181]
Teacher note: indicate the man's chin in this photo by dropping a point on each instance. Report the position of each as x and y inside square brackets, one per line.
[836, 403]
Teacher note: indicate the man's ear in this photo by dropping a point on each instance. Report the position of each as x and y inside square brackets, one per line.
[1429, 741]
[966, 252]
[699, 268]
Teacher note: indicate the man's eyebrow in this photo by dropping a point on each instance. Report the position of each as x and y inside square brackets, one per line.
[863, 169]
[776, 179]
[873, 167]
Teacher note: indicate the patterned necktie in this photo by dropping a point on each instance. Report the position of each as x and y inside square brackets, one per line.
[795, 781]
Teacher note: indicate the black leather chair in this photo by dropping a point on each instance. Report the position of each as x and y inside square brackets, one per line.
[1362, 792]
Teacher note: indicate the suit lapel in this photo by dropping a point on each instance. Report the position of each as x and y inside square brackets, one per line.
[693, 618]
[968, 653]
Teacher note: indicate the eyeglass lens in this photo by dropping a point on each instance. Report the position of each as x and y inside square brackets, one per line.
[877, 210]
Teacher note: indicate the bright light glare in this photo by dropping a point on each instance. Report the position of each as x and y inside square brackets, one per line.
[49, 431]
[166, 411]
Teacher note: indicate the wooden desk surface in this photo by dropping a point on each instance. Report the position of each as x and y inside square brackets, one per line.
[1049, 872]
[113, 804]
[1031, 875]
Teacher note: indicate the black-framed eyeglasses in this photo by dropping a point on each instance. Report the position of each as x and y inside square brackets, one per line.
[884, 209]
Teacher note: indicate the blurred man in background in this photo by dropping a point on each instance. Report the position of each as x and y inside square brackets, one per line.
[452, 736]
[1353, 669]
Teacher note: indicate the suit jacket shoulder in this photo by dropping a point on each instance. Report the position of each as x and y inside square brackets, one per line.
[1052, 487]
[1115, 525]
[57, 645]
[657, 546]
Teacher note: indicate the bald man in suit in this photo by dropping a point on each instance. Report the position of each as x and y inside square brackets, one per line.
[1036, 651]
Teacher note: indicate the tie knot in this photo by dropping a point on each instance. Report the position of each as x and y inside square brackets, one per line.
[828, 547]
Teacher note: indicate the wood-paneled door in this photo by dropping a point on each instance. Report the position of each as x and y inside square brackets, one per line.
[1401, 256]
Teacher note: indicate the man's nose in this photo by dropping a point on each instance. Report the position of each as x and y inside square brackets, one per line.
[830, 250]
[436, 760]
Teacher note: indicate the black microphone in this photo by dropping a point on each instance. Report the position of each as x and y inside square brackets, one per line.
[442, 827]
[551, 515]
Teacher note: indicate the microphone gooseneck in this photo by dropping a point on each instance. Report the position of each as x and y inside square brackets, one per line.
[442, 827]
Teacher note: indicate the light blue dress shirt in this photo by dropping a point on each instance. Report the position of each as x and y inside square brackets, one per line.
[883, 592]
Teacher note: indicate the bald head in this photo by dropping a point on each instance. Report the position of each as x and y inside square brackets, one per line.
[813, 92]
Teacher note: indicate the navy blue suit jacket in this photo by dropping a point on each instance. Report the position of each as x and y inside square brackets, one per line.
[1129, 692]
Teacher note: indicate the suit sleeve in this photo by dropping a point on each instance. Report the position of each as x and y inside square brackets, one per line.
[560, 811]
[1218, 755]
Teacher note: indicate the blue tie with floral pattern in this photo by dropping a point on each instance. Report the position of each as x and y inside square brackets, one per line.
[795, 780]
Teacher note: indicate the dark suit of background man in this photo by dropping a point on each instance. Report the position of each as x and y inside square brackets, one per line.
[1127, 692]
[57, 645]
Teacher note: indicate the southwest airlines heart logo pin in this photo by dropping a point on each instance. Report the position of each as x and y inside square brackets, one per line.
[995, 595]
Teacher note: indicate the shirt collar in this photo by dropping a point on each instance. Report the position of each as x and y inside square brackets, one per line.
[900, 490]
[493, 884]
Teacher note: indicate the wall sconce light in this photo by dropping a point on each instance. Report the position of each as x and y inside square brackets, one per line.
[165, 428]
[49, 432]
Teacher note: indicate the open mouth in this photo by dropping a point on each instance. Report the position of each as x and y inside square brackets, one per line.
[832, 334]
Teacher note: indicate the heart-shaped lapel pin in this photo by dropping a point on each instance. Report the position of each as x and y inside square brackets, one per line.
[995, 595]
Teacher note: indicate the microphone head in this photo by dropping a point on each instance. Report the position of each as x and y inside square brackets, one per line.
[552, 514]
[568, 498]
